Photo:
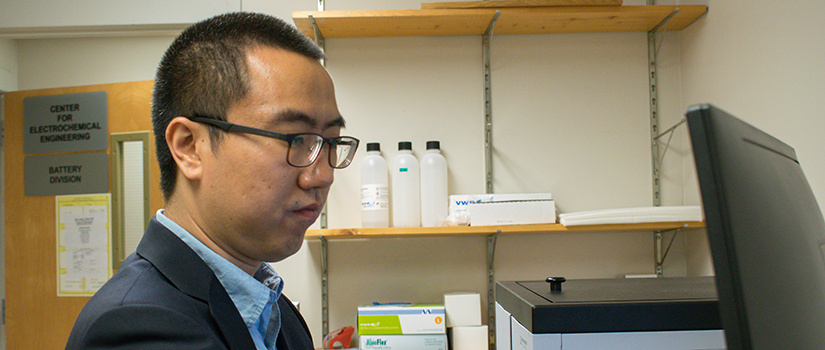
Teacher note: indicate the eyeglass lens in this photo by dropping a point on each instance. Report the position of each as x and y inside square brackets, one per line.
[304, 149]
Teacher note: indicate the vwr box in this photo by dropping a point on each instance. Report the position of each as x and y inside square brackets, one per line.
[618, 314]
[403, 342]
[401, 319]
[512, 213]
[460, 202]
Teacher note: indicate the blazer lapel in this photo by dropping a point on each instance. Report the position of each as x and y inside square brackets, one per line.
[298, 336]
[229, 320]
[190, 274]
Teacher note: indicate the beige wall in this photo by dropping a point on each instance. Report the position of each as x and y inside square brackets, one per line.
[761, 61]
[69, 13]
[51, 63]
[570, 117]
[8, 65]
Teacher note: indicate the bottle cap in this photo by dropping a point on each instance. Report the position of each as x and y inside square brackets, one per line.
[433, 145]
[405, 145]
[373, 146]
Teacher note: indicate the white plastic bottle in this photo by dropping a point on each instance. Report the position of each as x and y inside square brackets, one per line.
[406, 211]
[375, 192]
[433, 186]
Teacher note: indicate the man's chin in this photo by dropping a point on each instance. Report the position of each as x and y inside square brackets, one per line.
[286, 248]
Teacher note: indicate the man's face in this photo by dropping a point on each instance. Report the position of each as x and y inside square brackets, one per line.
[258, 207]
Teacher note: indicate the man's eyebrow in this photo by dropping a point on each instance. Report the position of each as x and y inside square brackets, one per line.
[296, 116]
[337, 122]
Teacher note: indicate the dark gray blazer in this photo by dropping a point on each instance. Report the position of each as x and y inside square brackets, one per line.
[165, 297]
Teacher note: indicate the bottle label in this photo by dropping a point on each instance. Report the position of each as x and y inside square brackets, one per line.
[375, 197]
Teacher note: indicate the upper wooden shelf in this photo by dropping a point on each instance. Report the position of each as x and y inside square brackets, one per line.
[344, 233]
[526, 20]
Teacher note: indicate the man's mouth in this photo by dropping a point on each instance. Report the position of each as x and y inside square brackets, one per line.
[309, 212]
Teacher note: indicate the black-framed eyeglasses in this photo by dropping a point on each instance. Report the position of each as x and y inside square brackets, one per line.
[304, 148]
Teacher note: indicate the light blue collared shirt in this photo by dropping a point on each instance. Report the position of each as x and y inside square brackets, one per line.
[255, 297]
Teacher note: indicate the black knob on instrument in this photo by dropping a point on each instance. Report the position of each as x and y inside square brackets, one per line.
[555, 283]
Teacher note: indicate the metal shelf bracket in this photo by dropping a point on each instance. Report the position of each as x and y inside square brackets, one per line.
[319, 38]
[486, 40]
[661, 255]
[652, 54]
[488, 103]
[324, 285]
[664, 23]
[656, 156]
[670, 133]
[491, 288]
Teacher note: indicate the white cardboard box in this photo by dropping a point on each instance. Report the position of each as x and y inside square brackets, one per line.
[469, 338]
[403, 342]
[460, 202]
[512, 213]
[463, 309]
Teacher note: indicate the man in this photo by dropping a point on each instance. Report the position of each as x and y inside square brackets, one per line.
[247, 136]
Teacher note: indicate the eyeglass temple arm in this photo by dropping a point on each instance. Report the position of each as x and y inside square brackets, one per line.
[227, 126]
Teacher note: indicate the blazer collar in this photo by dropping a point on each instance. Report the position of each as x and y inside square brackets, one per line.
[175, 260]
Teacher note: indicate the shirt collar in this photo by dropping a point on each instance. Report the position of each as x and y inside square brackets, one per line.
[251, 295]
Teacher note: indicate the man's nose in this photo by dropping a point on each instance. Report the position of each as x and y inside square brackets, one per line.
[319, 174]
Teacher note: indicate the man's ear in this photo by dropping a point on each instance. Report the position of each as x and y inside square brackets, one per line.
[182, 137]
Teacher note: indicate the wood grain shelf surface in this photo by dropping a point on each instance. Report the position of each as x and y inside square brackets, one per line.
[348, 233]
[524, 20]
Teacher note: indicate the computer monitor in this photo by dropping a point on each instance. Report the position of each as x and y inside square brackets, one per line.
[766, 234]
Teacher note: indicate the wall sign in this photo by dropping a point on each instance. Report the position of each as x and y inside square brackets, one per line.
[61, 174]
[65, 123]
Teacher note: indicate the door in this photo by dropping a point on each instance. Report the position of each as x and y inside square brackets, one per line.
[36, 317]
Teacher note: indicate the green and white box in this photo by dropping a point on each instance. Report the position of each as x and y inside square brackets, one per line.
[401, 319]
[403, 342]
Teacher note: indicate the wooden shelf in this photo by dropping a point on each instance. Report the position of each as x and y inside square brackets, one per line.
[530, 20]
[346, 233]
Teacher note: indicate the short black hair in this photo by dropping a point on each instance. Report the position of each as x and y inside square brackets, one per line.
[204, 72]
